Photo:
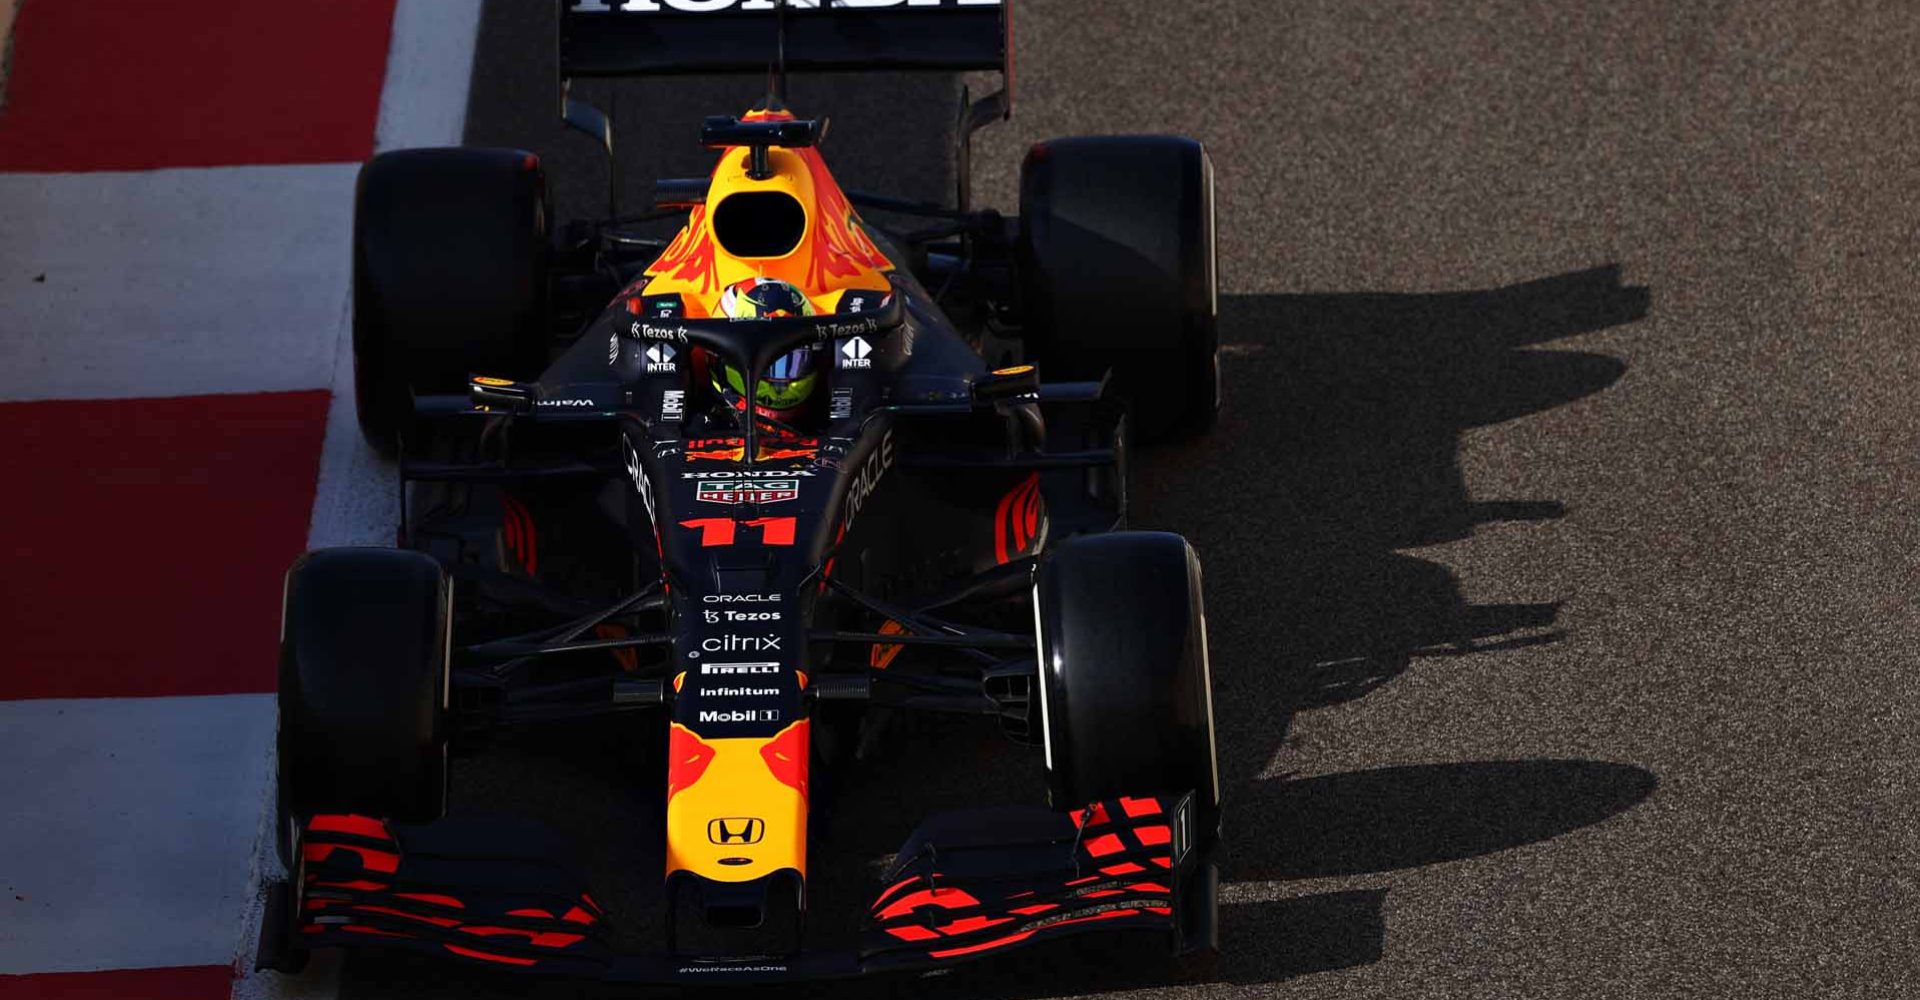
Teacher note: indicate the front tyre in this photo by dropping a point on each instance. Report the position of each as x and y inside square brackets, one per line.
[1126, 697]
[363, 688]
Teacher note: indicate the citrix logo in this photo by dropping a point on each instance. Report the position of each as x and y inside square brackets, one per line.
[741, 644]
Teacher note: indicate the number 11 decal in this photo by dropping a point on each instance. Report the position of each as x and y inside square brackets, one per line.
[719, 532]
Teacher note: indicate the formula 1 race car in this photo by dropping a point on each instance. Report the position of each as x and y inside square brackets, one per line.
[734, 487]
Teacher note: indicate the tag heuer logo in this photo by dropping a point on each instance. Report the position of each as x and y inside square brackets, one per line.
[734, 491]
[853, 353]
[660, 359]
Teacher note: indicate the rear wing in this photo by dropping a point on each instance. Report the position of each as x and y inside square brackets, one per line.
[662, 37]
[640, 38]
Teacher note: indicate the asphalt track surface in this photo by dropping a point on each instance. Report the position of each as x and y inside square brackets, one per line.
[1558, 531]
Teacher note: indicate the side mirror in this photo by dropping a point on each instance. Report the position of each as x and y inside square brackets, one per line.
[1007, 383]
[500, 394]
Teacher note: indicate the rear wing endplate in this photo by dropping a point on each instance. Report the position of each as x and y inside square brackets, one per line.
[640, 38]
[662, 37]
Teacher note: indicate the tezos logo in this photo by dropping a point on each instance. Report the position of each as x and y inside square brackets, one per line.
[647, 331]
[716, 617]
[660, 359]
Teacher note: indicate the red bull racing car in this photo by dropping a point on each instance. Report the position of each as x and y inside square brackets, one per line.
[745, 482]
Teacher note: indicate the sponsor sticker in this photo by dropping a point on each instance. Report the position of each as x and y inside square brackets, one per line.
[729, 692]
[862, 485]
[741, 598]
[741, 644]
[644, 330]
[729, 615]
[855, 352]
[638, 473]
[736, 830]
[842, 405]
[729, 491]
[749, 474]
[742, 715]
[673, 404]
[738, 669]
[660, 359]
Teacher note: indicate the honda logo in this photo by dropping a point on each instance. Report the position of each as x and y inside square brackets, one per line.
[736, 831]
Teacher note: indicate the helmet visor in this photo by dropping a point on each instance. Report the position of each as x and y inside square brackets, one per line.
[786, 384]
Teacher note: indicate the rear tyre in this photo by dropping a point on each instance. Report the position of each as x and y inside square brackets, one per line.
[363, 686]
[1126, 699]
[450, 263]
[1116, 264]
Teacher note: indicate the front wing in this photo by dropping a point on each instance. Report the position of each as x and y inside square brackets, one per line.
[965, 886]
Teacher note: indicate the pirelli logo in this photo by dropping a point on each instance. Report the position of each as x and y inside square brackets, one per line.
[740, 830]
[750, 6]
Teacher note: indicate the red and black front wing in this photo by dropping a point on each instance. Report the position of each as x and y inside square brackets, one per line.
[966, 885]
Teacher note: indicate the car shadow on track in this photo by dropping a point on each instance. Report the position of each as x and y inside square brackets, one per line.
[1339, 445]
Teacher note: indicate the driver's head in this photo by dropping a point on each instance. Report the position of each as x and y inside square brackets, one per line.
[788, 384]
[763, 298]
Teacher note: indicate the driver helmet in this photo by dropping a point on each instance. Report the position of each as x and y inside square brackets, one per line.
[788, 384]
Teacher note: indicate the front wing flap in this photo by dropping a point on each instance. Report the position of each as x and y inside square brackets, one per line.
[971, 884]
[496, 892]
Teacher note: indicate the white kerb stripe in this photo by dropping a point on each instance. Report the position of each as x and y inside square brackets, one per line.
[423, 103]
[127, 828]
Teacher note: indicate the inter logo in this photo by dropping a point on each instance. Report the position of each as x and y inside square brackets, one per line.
[854, 353]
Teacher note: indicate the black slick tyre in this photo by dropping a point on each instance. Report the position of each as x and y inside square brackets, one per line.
[450, 266]
[363, 686]
[1126, 699]
[1117, 273]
